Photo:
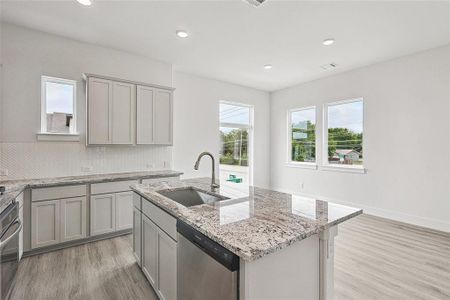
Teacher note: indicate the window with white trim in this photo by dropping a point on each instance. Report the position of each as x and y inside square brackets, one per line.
[343, 139]
[302, 135]
[58, 105]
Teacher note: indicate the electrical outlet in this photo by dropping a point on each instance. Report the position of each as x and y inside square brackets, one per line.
[3, 172]
[87, 169]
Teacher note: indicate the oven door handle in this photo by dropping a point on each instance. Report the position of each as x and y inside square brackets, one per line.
[3, 243]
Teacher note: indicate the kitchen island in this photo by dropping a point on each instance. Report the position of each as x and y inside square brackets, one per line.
[285, 242]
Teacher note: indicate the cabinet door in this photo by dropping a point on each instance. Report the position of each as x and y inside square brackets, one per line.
[167, 283]
[73, 218]
[149, 250]
[45, 220]
[144, 115]
[103, 214]
[124, 210]
[99, 111]
[163, 117]
[137, 235]
[123, 103]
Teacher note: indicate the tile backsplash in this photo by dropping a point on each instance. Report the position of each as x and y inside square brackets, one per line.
[52, 159]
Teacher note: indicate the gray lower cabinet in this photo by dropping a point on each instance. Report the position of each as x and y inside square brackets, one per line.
[167, 267]
[45, 217]
[73, 219]
[103, 214]
[111, 212]
[124, 210]
[150, 250]
[57, 221]
[137, 221]
[158, 249]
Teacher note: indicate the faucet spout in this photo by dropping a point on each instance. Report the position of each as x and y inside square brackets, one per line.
[213, 170]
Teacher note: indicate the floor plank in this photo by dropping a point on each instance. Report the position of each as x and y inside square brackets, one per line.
[99, 270]
[378, 258]
[375, 259]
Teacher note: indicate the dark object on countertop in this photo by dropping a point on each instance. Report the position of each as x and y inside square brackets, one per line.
[2, 190]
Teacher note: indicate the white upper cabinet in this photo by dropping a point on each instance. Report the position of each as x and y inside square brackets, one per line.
[163, 117]
[144, 114]
[122, 112]
[99, 110]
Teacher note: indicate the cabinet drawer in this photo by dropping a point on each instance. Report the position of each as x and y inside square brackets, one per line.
[164, 221]
[58, 192]
[112, 187]
[156, 180]
[137, 201]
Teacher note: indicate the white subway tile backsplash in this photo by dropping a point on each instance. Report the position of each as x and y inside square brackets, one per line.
[51, 159]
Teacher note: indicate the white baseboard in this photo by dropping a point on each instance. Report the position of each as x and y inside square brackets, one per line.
[384, 213]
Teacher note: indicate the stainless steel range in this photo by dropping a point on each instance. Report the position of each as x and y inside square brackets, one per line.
[10, 226]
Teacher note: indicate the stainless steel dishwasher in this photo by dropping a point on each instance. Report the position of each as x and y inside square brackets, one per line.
[205, 269]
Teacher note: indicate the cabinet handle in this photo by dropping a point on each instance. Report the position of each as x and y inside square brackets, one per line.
[3, 243]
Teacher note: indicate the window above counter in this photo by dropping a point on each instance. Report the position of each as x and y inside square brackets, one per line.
[58, 110]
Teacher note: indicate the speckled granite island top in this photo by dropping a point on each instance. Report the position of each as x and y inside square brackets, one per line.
[254, 222]
[15, 187]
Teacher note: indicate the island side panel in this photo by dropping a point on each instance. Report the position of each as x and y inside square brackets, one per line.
[290, 273]
[327, 263]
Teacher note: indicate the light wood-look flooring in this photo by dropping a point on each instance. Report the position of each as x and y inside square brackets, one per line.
[100, 270]
[375, 259]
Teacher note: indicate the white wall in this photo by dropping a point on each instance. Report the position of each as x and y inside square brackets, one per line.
[196, 128]
[406, 139]
[28, 54]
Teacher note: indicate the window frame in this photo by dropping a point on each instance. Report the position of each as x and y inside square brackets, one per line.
[300, 164]
[44, 134]
[326, 166]
[249, 127]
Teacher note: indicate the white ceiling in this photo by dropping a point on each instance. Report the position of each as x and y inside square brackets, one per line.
[231, 40]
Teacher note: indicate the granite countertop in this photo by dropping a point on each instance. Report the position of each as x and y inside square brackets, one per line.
[15, 187]
[255, 221]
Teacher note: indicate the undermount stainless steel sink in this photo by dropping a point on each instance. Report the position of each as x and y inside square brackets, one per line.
[191, 196]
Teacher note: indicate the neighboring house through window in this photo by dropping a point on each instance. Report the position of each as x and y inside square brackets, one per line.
[58, 106]
[343, 139]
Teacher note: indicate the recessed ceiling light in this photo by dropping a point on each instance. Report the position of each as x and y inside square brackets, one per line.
[85, 2]
[328, 42]
[182, 34]
[268, 67]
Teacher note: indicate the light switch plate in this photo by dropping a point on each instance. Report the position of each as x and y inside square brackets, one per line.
[3, 172]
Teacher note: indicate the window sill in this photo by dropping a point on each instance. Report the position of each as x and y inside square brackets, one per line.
[58, 137]
[302, 165]
[344, 169]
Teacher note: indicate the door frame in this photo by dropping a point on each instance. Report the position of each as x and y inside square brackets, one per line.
[249, 127]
